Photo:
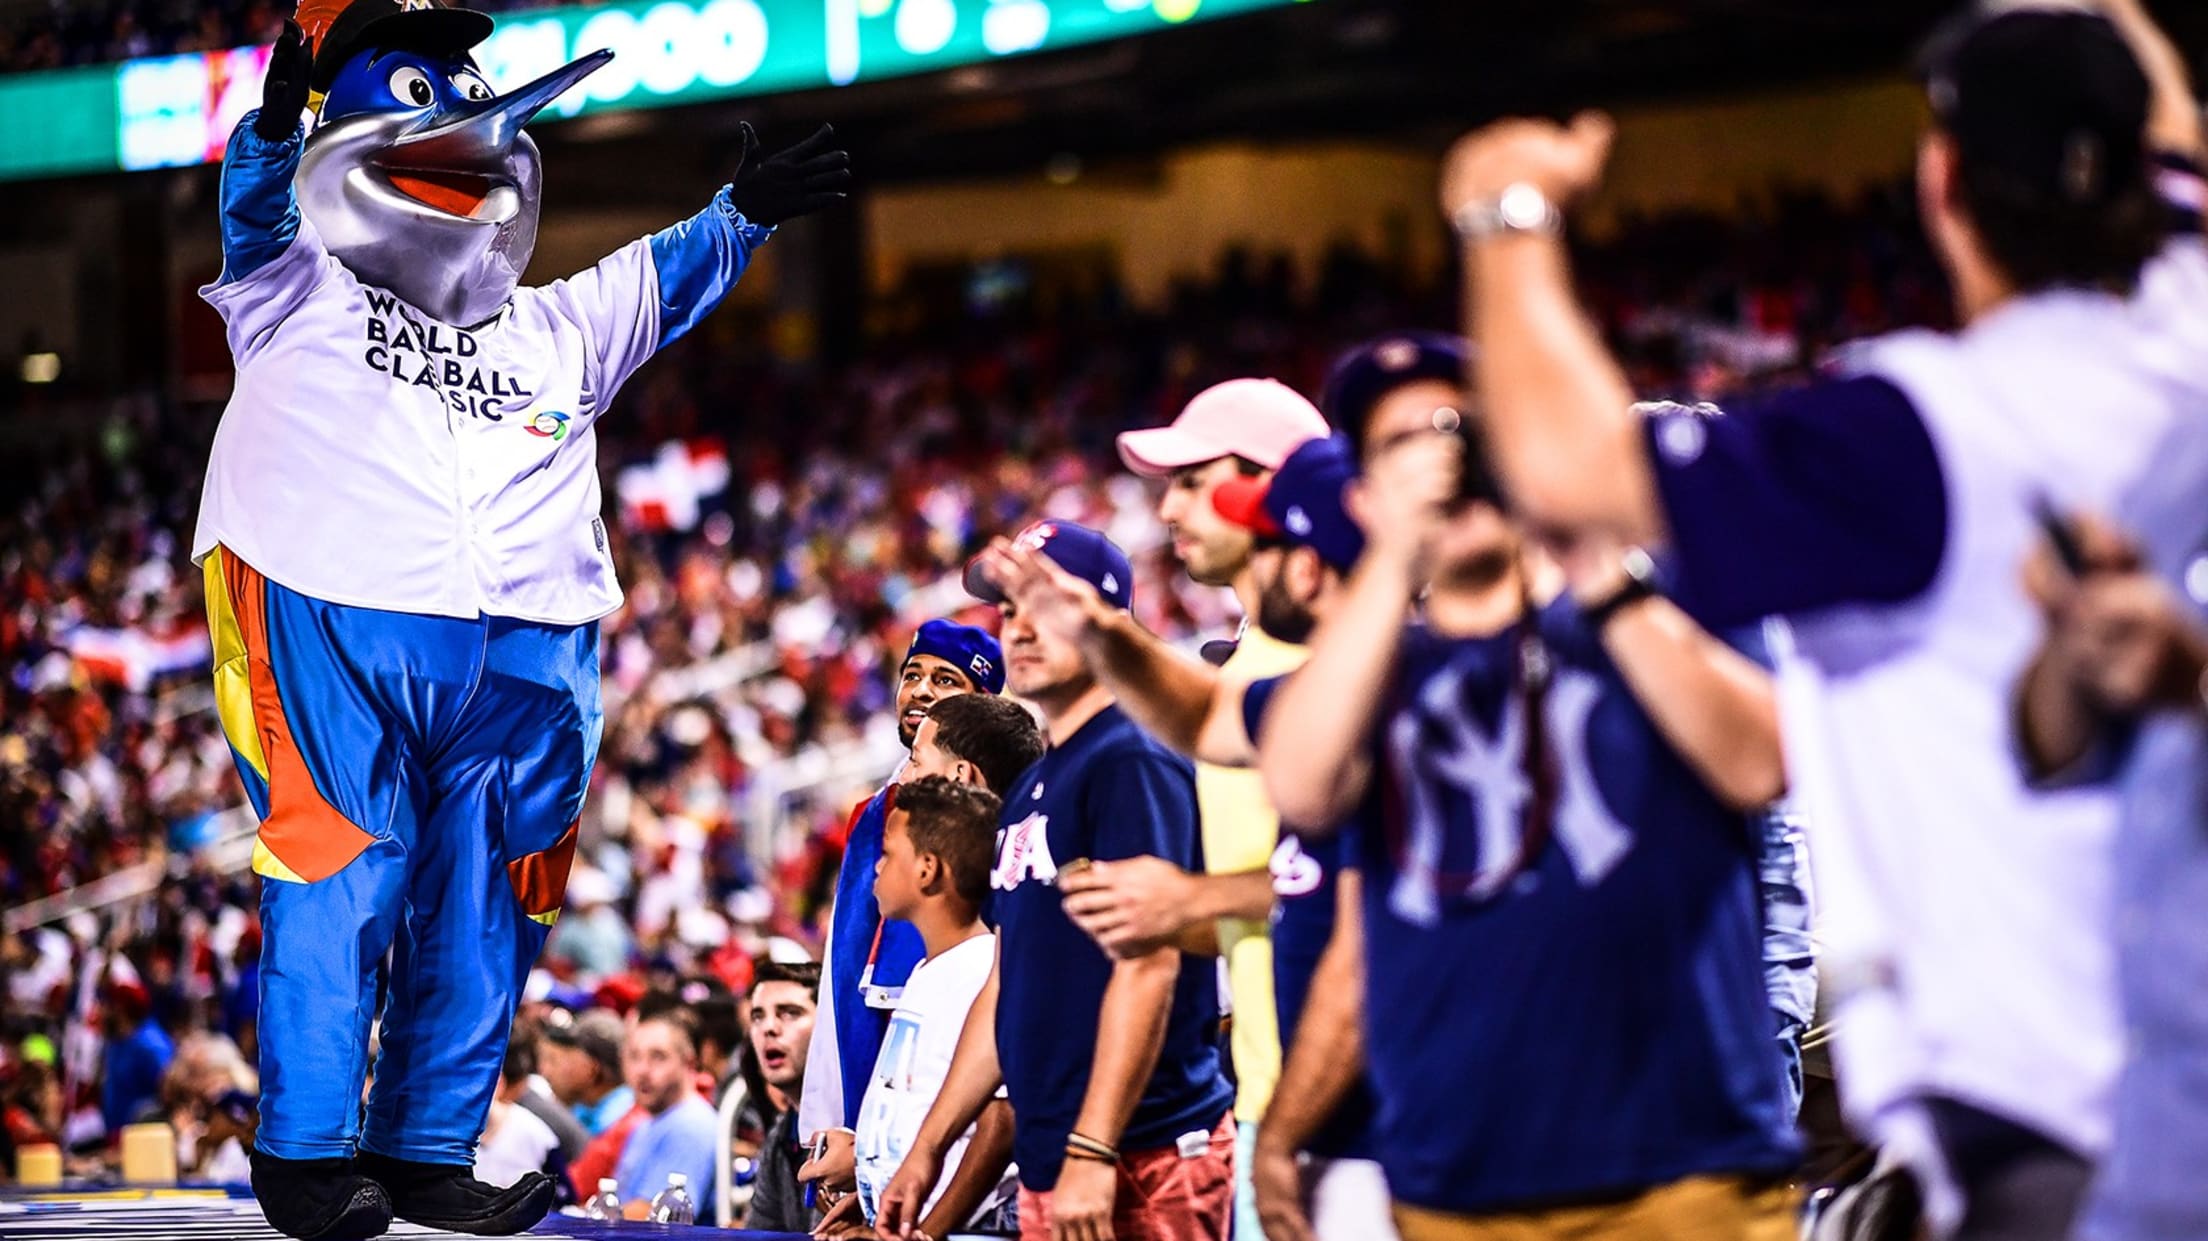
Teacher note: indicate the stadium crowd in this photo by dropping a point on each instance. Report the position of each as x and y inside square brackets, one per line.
[803, 576]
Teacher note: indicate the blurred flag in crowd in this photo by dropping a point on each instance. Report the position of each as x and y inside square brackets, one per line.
[670, 491]
[132, 658]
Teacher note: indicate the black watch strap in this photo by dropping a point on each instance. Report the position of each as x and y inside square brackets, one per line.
[1639, 584]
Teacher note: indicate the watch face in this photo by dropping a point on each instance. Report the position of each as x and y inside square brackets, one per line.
[1522, 206]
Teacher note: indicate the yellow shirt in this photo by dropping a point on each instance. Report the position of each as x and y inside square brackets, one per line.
[1240, 831]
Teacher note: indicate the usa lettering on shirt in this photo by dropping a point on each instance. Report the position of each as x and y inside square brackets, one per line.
[1295, 873]
[1023, 853]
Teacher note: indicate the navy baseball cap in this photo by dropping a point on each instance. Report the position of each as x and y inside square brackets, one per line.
[1078, 550]
[970, 650]
[1304, 503]
[1370, 371]
[2051, 98]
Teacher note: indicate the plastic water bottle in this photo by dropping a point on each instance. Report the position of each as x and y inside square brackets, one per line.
[606, 1203]
[672, 1205]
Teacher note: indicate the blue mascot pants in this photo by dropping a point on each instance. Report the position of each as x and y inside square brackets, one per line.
[419, 780]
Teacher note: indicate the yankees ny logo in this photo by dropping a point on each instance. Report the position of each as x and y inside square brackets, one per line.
[1489, 771]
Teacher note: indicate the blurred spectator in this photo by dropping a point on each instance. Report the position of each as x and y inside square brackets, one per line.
[522, 1086]
[137, 1053]
[519, 1136]
[592, 936]
[581, 1059]
[678, 1133]
[207, 1097]
[782, 1004]
[30, 1107]
[603, 1154]
[720, 1042]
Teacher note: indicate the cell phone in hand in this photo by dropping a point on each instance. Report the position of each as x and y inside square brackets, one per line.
[2061, 537]
[813, 1151]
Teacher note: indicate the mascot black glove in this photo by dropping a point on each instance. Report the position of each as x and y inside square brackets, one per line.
[284, 90]
[789, 183]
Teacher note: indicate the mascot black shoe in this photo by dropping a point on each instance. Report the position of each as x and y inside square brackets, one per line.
[319, 1199]
[446, 1196]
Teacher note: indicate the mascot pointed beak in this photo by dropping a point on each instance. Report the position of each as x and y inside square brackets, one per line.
[482, 133]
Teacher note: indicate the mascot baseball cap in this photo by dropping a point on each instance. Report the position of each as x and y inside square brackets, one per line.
[1304, 503]
[2048, 96]
[339, 28]
[1078, 550]
[1258, 420]
[970, 650]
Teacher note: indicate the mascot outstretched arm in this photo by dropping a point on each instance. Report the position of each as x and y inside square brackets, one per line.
[405, 571]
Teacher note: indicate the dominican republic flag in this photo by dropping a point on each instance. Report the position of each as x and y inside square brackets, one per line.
[133, 657]
[668, 492]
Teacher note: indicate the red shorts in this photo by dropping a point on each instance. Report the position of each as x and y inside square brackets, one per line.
[1162, 1195]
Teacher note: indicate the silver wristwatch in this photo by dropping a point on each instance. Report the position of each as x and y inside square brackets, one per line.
[1520, 208]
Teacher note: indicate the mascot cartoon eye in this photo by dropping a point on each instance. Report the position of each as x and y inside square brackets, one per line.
[471, 86]
[410, 85]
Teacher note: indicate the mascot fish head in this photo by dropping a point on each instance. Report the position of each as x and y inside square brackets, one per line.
[418, 177]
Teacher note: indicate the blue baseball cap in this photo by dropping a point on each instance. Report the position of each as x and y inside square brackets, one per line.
[970, 650]
[1371, 370]
[1303, 505]
[1078, 550]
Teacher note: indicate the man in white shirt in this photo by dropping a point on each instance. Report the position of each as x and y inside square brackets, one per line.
[517, 1140]
[1885, 510]
[406, 566]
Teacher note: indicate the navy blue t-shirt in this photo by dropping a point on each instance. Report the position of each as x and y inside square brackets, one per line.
[1108, 792]
[1306, 883]
[1593, 1023]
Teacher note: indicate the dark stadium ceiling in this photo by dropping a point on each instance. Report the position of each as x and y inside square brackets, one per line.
[1415, 69]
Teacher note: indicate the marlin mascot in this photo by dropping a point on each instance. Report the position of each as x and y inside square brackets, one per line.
[405, 570]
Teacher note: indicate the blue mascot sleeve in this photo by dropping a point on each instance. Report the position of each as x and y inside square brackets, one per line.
[260, 214]
[699, 261]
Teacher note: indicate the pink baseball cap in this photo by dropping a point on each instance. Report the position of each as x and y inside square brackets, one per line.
[1260, 420]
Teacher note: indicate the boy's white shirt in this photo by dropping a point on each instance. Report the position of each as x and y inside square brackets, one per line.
[916, 1057]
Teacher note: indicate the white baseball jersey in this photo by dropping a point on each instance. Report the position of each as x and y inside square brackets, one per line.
[373, 456]
[1965, 915]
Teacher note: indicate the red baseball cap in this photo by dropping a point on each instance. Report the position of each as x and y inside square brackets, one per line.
[1259, 420]
[1242, 501]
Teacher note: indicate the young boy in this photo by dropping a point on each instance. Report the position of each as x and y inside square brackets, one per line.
[936, 851]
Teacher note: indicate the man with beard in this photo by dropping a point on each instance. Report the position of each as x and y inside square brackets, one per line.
[867, 958]
[1237, 430]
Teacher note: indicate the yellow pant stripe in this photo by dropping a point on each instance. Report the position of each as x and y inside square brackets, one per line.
[268, 866]
[233, 687]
